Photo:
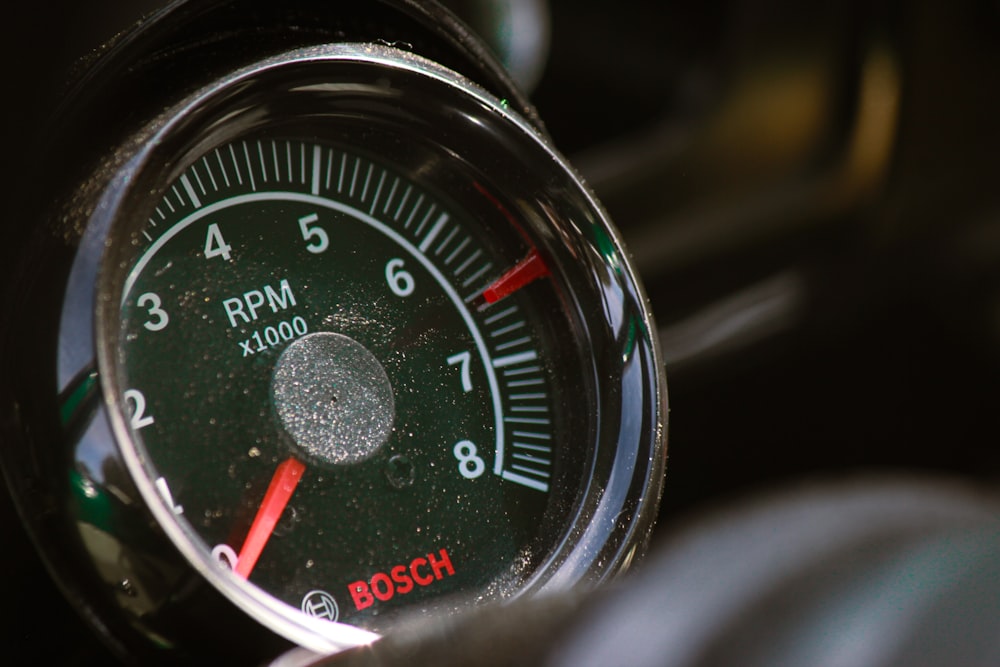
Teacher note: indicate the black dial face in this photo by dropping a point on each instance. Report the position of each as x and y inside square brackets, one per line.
[369, 347]
[303, 317]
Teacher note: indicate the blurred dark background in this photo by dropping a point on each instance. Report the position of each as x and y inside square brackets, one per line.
[810, 192]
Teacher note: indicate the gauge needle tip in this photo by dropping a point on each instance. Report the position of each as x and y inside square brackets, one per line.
[279, 492]
[523, 273]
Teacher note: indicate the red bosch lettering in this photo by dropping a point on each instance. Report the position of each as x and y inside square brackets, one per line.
[400, 579]
[422, 579]
[441, 565]
[404, 584]
[382, 586]
[361, 594]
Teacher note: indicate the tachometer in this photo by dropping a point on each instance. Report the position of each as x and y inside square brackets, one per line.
[347, 339]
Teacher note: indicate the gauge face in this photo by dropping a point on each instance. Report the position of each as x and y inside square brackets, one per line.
[299, 306]
[370, 349]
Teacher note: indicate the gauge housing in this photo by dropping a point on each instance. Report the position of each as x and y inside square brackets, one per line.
[138, 567]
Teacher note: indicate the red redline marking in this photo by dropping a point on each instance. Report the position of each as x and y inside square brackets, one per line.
[279, 492]
[524, 272]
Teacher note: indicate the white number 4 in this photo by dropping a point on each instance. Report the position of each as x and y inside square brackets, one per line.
[215, 245]
[463, 358]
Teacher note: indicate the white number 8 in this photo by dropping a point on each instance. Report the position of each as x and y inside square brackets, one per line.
[469, 464]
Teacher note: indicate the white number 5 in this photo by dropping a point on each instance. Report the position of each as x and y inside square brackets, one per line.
[321, 241]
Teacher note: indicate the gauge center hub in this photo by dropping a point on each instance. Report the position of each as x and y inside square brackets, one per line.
[333, 398]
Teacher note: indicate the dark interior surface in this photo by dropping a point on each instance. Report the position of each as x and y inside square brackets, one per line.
[810, 194]
[810, 191]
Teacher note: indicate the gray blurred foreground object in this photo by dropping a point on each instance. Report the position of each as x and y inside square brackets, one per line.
[860, 572]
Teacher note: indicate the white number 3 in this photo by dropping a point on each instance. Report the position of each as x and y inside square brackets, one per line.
[159, 317]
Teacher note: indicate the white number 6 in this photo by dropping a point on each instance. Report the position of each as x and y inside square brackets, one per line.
[400, 281]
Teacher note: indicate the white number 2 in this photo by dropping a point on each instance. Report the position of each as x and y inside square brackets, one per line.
[139, 417]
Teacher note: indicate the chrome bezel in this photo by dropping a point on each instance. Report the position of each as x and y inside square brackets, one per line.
[598, 543]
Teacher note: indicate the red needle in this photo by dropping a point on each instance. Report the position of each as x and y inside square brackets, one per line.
[282, 486]
[524, 272]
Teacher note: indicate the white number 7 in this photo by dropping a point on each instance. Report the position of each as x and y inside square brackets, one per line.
[463, 358]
